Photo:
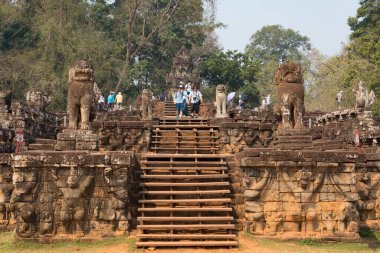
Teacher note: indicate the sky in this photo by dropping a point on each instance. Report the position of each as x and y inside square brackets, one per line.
[323, 21]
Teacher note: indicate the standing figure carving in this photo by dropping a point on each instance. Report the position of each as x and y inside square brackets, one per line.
[290, 91]
[221, 101]
[254, 211]
[146, 104]
[73, 205]
[114, 208]
[80, 95]
[25, 182]
[6, 189]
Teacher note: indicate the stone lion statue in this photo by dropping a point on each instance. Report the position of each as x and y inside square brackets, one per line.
[146, 104]
[221, 101]
[290, 91]
[80, 94]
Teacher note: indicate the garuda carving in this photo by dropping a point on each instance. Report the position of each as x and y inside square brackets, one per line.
[73, 206]
[290, 91]
[80, 94]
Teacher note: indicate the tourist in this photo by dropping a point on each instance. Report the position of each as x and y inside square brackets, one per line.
[119, 100]
[268, 102]
[101, 103]
[196, 99]
[163, 96]
[185, 102]
[241, 102]
[111, 100]
[188, 87]
[178, 100]
[19, 141]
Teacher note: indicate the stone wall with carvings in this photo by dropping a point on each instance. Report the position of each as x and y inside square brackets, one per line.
[68, 195]
[321, 194]
[123, 135]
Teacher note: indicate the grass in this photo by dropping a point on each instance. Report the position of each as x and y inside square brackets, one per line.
[8, 245]
[311, 245]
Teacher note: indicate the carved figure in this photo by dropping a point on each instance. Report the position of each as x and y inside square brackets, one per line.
[364, 99]
[290, 91]
[36, 100]
[250, 137]
[116, 139]
[146, 104]
[6, 189]
[253, 210]
[5, 100]
[236, 142]
[144, 141]
[73, 206]
[132, 138]
[221, 101]
[303, 189]
[46, 214]
[25, 182]
[80, 94]
[114, 209]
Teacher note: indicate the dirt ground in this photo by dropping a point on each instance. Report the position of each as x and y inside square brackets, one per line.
[248, 244]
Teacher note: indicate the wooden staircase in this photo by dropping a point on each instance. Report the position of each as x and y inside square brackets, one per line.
[184, 199]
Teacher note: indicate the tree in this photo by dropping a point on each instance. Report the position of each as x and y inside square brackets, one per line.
[233, 69]
[275, 43]
[337, 73]
[272, 45]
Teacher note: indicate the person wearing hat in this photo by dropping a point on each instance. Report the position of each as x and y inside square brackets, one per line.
[178, 100]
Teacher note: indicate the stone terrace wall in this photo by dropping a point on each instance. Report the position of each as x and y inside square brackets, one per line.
[321, 194]
[66, 195]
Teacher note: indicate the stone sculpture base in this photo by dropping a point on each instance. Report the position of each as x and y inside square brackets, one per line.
[77, 140]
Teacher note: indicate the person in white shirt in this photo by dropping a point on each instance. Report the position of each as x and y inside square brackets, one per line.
[195, 98]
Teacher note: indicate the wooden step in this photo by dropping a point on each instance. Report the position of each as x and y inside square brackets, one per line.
[189, 244]
[191, 192]
[183, 148]
[187, 236]
[184, 127]
[150, 155]
[193, 218]
[186, 142]
[184, 209]
[168, 163]
[184, 176]
[186, 137]
[186, 226]
[223, 200]
[184, 168]
[186, 184]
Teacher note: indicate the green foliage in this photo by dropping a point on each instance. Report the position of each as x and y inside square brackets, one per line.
[367, 20]
[309, 242]
[41, 40]
[275, 43]
[233, 69]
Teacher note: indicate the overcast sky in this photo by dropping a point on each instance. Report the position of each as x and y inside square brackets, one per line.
[323, 21]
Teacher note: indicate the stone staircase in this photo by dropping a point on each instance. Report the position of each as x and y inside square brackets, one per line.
[184, 199]
[42, 144]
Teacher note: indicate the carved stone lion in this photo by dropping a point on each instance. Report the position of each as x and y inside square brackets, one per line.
[80, 94]
[146, 104]
[290, 91]
[221, 101]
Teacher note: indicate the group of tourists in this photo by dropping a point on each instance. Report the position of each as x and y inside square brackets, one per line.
[185, 96]
[112, 99]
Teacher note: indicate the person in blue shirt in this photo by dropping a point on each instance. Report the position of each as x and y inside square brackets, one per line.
[111, 100]
[178, 100]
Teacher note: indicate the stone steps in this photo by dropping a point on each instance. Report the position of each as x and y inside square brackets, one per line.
[184, 201]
